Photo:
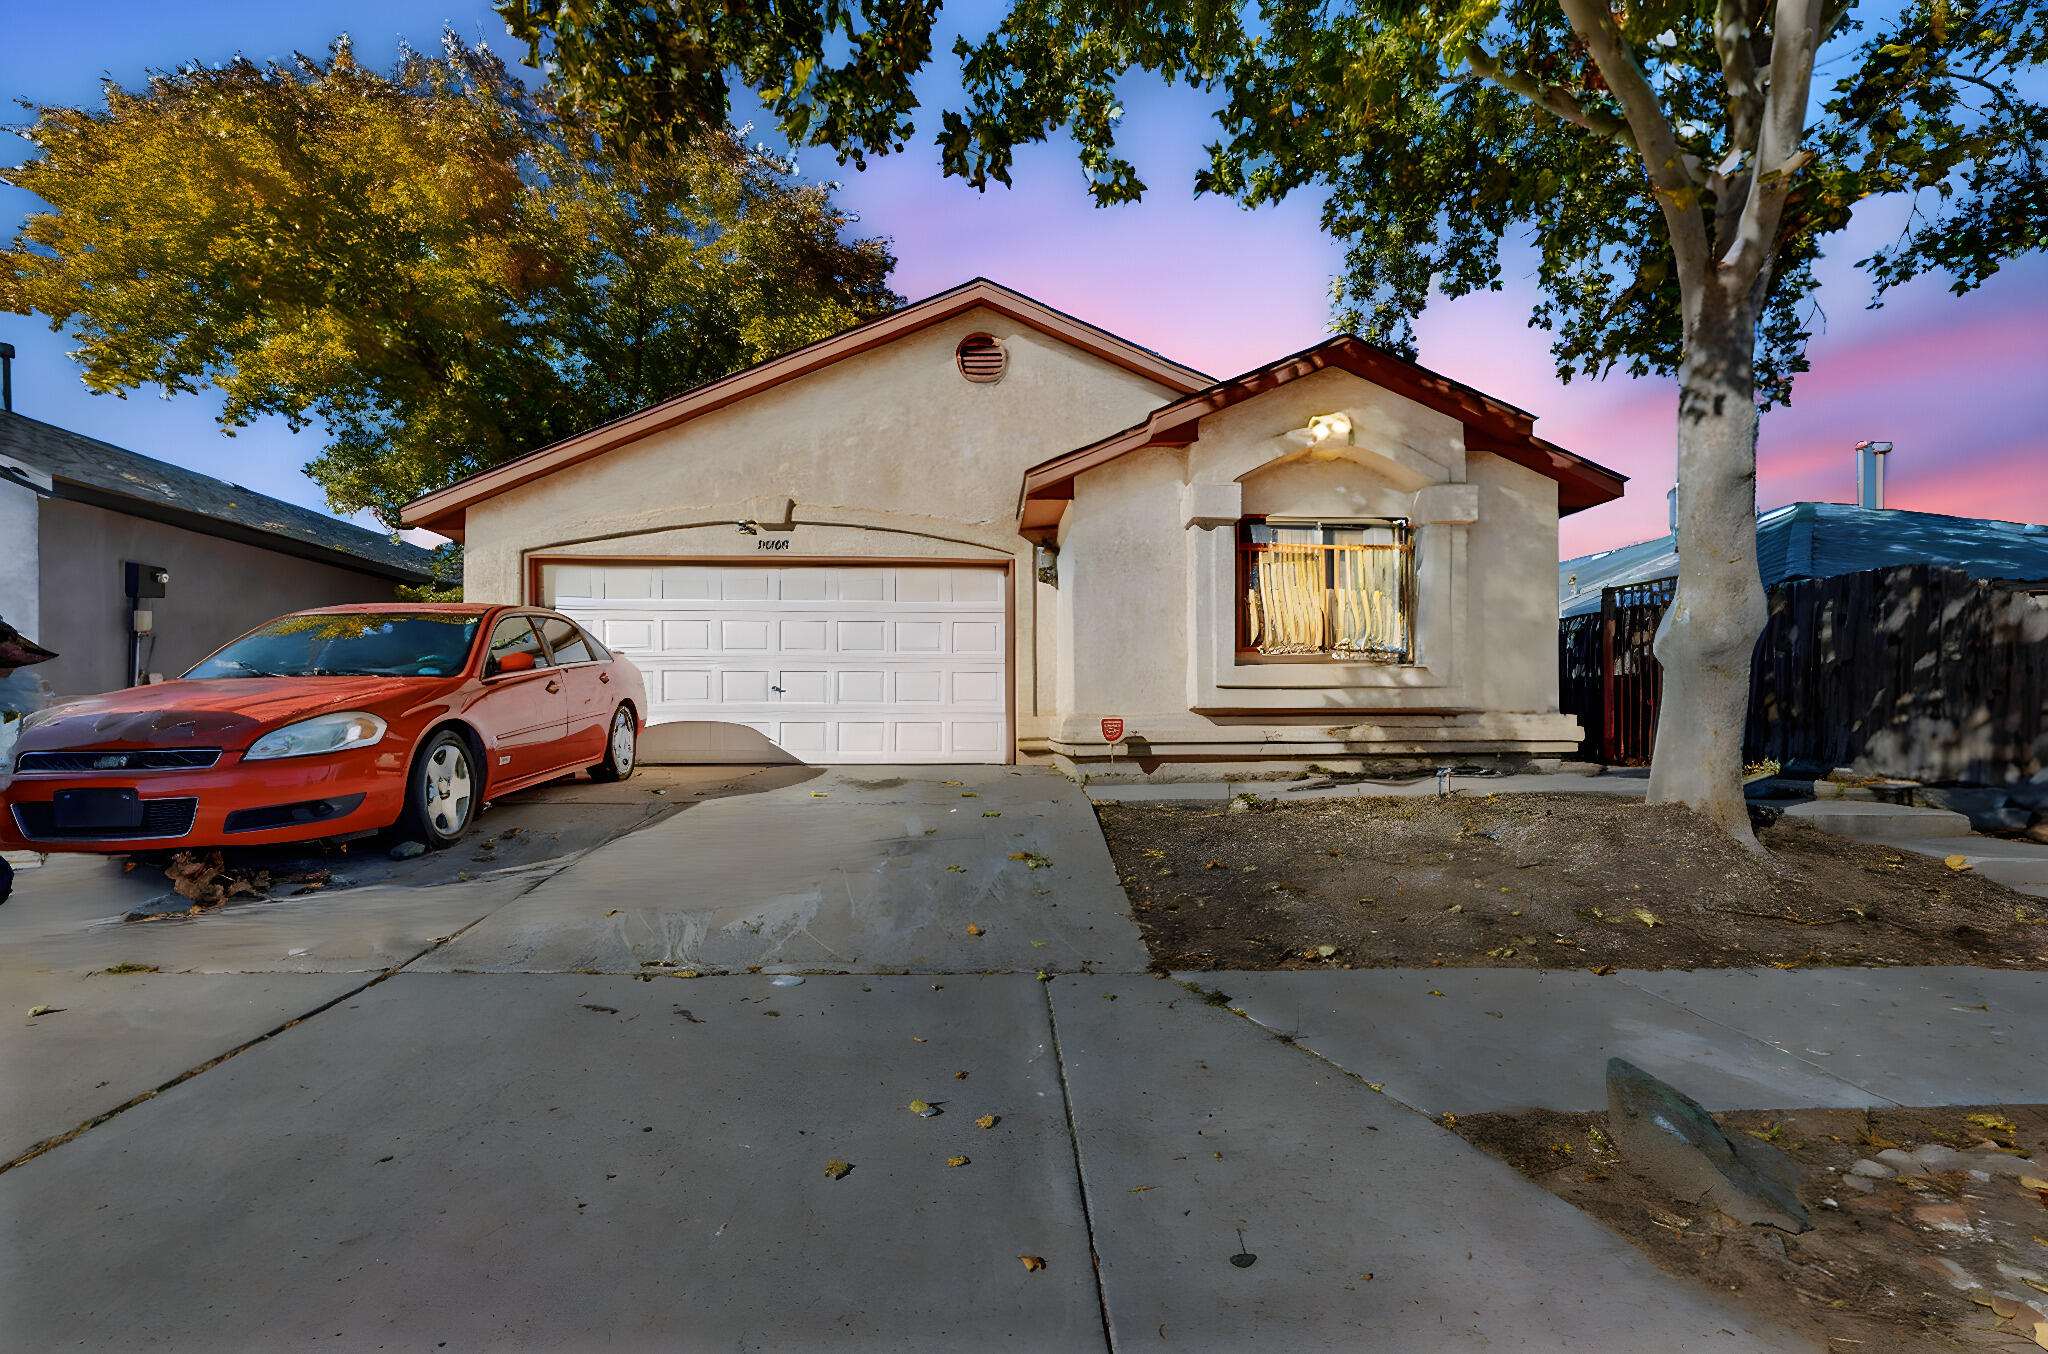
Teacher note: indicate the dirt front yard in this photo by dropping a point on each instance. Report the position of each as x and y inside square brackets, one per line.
[1930, 1226]
[1542, 881]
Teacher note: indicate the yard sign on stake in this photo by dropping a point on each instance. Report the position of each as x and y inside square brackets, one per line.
[1112, 730]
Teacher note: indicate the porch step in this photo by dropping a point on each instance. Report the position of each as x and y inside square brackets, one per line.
[1872, 821]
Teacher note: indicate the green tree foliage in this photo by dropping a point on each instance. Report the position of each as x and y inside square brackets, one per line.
[1439, 129]
[434, 263]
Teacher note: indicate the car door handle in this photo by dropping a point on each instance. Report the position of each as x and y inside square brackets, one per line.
[604, 676]
[554, 685]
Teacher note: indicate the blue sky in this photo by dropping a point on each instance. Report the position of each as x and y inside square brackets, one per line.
[1954, 383]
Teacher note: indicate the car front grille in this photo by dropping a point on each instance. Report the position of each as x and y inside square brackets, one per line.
[160, 818]
[139, 759]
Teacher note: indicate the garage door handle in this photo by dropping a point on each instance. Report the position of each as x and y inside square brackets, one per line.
[554, 685]
[777, 690]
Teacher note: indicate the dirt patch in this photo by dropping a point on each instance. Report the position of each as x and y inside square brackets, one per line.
[1543, 881]
[1926, 1259]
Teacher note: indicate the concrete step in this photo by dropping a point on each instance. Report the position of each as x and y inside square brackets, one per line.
[1879, 822]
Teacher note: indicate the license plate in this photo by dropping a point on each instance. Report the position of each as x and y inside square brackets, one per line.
[96, 809]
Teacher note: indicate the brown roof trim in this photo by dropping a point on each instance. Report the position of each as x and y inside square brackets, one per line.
[1490, 424]
[443, 509]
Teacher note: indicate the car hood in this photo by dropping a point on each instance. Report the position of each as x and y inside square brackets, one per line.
[225, 712]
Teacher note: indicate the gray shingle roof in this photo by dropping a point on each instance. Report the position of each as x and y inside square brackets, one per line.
[117, 477]
[1820, 540]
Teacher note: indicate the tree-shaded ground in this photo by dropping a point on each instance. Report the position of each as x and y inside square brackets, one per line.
[1927, 1258]
[1543, 881]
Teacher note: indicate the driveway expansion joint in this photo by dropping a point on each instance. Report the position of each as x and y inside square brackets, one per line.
[1059, 1062]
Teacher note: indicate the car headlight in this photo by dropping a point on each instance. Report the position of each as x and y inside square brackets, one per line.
[322, 733]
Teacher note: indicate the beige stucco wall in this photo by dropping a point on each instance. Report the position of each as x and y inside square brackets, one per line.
[887, 454]
[1146, 614]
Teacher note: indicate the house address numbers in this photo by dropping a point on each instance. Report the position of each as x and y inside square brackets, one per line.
[772, 543]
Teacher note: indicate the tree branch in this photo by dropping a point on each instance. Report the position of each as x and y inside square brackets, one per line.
[1551, 98]
[1795, 38]
[1676, 191]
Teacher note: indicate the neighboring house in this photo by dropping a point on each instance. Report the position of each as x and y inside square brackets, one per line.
[1820, 540]
[75, 513]
[974, 529]
[1903, 644]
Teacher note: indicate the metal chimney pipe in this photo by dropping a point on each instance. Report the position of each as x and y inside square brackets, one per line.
[7, 377]
[1870, 473]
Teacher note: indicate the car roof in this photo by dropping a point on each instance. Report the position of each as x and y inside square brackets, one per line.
[413, 608]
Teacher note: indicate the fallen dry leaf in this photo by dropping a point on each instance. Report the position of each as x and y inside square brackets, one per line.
[1033, 1262]
[952, 782]
[2026, 1181]
[959, 1076]
[1150, 852]
[956, 1161]
[973, 930]
[969, 794]
[957, 869]
[985, 1121]
[837, 1169]
[921, 1109]
[1325, 951]
[1646, 917]
[35, 1011]
[1140, 1189]
[1434, 993]
[1603, 970]
[1956, 862]
[1215, 865]
[1991, 1122]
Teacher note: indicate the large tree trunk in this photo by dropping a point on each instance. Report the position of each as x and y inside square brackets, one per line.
[1710, 630]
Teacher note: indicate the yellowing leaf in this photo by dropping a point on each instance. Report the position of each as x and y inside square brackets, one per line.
[969, 794]
[1038, 944]
[919, 1106]
[1325, 951]
[1033, 1262]
[40, 1010]
[973, 930]
[820, 794]
[1956, 862]
[1150, 852]
[1645, 916]
[956, 1161]
[1991, 1122]
[2033, 1182]
[1434, 993]
[985, 1121]
[1140, 1189]
[837, 1169]
[957, 869]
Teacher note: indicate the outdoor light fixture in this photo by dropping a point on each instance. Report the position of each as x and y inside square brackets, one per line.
[1045, 558]
[749, 527]
[1324, 428]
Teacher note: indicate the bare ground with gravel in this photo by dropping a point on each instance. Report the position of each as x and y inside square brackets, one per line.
[1942, 1252]
[1543, 881]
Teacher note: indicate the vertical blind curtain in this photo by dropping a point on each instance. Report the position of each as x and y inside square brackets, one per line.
[1335, 590]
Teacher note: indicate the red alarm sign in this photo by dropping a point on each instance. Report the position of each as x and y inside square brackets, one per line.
[1112, 730]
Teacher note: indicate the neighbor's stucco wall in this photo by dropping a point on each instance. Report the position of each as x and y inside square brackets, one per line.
[20, 559]
[890, 453]
[218, 590]
[1147, 610]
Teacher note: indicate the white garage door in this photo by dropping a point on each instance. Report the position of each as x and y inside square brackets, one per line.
[831, 664]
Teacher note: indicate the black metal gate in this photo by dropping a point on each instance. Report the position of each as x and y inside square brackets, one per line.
[1610, 677]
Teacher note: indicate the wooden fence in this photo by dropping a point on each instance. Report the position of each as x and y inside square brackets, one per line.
[1918, 672]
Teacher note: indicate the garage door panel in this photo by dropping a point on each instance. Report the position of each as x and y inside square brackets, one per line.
[829, 663]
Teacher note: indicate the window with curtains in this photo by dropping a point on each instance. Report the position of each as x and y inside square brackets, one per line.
[1341, 590]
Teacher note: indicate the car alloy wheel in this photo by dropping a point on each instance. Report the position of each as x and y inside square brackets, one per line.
[622, 742]
[447, 788]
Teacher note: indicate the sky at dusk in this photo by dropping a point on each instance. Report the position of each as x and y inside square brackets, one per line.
[1958, 385]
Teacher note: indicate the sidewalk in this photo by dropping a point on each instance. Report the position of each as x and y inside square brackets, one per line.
[1632, 782]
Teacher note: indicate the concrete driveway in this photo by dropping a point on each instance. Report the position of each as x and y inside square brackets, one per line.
[853, 871]
[322, 1125]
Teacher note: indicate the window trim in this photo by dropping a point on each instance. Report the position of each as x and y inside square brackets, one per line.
[1243, 548]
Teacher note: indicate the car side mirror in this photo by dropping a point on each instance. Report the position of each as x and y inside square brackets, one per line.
[517, 662]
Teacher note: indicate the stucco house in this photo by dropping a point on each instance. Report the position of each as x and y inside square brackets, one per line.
[974, 529]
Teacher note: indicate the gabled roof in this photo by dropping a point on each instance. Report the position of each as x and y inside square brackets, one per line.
[1490, 425]
[90, 471]
[443, 509]
[1820, 540]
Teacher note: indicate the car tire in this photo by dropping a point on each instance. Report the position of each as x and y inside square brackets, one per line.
[621, 749]
[443, 793]
[6, 880]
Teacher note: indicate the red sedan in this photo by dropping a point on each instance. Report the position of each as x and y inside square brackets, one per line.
[329, 723]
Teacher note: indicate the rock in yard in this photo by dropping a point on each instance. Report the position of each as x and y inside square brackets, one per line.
[1670, 1137]
[1875, 1170]
[407, 850]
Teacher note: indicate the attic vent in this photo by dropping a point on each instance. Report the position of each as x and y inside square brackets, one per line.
[981, 358]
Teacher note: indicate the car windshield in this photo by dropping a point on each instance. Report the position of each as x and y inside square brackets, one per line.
[349, 644]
